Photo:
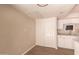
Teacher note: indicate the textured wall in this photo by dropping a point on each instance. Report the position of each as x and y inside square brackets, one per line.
[16, 31]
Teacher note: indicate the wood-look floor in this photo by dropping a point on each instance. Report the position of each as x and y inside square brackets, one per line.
[39, 50]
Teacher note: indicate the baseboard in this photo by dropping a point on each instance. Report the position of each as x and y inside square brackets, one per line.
[28, 49]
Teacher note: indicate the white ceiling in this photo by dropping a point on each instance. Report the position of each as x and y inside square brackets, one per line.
[51, 10]
[74, 12]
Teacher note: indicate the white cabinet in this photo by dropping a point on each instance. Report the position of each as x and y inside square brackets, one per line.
[76, 47]
[66, 41]
[46, 32]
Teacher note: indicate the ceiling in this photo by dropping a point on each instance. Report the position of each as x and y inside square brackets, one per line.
[74, 12]
[51, 10]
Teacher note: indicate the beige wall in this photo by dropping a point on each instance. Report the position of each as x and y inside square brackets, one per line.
[16, 31]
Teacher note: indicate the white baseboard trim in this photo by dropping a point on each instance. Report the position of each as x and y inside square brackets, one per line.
[28, 49]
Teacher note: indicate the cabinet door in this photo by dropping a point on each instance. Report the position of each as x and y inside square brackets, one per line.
[61, 41]
[69, 42]
[66, 41]
[76, 47]
[46, 32]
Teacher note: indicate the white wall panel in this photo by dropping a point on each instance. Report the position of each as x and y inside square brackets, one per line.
[46, 32]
